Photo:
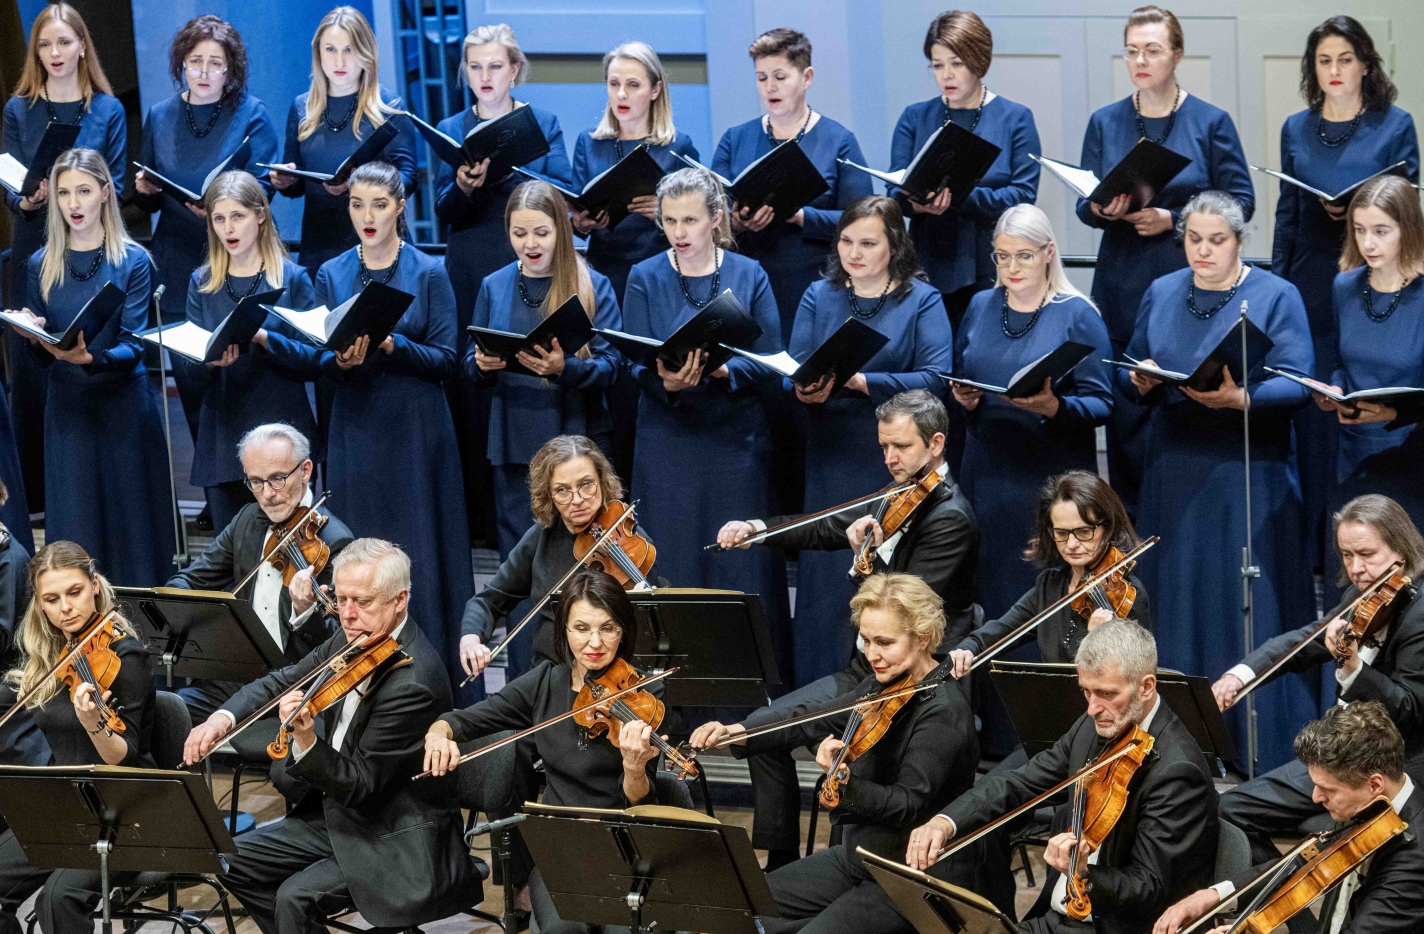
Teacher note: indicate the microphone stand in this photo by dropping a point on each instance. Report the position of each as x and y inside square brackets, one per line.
[1249, 570]
[180, 533]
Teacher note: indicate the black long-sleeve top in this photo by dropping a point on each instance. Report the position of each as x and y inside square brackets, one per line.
[133, 698]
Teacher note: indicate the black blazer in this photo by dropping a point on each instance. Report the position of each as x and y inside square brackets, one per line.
[398, 842]
[238, 549]
[1162, 848]
[940, 546]
[1395, 679]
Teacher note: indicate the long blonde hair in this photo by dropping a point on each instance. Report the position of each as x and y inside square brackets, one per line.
[1028, 222]
[33, 73]
[116, 238]
[570, 274]
[661, 131]
[42, 641]
[368, 101]
[244, 189]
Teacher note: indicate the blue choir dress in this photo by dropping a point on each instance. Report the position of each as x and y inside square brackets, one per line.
[1193, 495]
[255, 390]
[526, 411]
[107, 485]
[1010, 452]
[843, 457]
[1128, 263]
[1306, 252]
[702, 456]
[391, 455]
[103, 127]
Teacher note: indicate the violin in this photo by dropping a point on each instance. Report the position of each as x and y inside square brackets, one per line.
[598, 711]
[295, 545]
[865, 727]
[625, 555]
[1372, 616]
[1111, 592]
[97, 664]
[894, 513]
[1098, 801]
[343, 673]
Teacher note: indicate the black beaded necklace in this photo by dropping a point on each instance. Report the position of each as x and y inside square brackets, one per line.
[365, 274]
[1380, 317]
[1343, 138]
[1171, 117]
[1010, 332]
[513, 104]
[212, 122]
[252, 289]
[855, 308]
[716, 280]
[802, 132]
[524, 295]
[1230, 293]
[54, 117]
[351, 112]
[618, 147]
[979, 112]
[93, 267]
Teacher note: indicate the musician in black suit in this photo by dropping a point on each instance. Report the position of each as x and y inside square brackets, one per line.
[1164, 844]
[1372, 533]
[359, 832]
[939, 544]
[277, 468]
[1355, 754]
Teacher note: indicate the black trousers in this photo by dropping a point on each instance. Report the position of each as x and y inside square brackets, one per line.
[776, 822]
[66, 901]
[836, 893]
[287, 877]
[1051, 922]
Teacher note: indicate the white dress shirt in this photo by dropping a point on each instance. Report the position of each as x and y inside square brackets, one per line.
[1366, 653]
[267, 592]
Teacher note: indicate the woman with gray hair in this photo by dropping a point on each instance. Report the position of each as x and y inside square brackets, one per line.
[1192, 483]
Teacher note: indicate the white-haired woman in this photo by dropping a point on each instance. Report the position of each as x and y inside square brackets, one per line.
[1015, 444]
[105, 486]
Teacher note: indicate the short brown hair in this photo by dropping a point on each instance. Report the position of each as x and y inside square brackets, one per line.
[1152, 15]
[556, 452]
[964, 34]
[1096, 503]
[786, 42]
[602, 592]
[1400, 200]
[1352, 743]
[1390, 522]
[224, 34]
[919, 609]
[904, 263]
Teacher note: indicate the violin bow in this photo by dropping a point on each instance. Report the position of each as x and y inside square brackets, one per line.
[65, 659]
[1270, 880]
[775, 530]
[1088, 584]
[538, 607]
[530, 731]
[860, 704]
[1315, 633]
[282, 542]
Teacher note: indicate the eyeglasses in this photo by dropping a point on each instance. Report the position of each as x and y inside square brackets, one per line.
[607, 630]
[276, 481]
[195, 67]
[586, 490]
[1153, 53]
[1024, 258]
[1083, 533]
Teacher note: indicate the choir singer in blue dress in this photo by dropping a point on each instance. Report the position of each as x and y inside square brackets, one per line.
[1138, 247]
[106, 487]
[1015, 445]
[1193, 484]
[873, 277]
[244, 389]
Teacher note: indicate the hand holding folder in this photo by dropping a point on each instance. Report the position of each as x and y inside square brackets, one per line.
[369, 151]
[1028, 381]
[611, 191]
[721, 325]
[237, 159]
[569, 325]
[1141, 176]
[1207, 376]
[91, 319]
[785, 180]
[203, 346]
[844, 354]
[373, 312]
[23, 181]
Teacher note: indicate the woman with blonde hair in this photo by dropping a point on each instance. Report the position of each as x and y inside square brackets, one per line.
[69, 594]
[1015, 444]
[562, 391]
[248, 386]
[344, 105]
[105, 487]
[61, 81]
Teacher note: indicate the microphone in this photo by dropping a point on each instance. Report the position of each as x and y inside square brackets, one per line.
[158, 293]
[480, 829]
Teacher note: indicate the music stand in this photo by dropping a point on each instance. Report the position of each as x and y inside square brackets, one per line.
[109, 817]
[1044, 701]
[207, 634]
[932, 906]
[677, 869]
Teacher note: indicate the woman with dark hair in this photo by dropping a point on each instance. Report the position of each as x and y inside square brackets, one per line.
[594, 628]
[184, 137]
[872, 276]
[1349, 130]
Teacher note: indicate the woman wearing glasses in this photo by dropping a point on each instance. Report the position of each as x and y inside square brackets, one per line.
[1138, 246]
[1015, 444]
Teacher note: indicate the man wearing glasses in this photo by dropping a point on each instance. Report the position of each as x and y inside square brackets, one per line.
[277, 468]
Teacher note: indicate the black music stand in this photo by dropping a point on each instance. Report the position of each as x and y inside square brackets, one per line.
[932, 906]
[1044, 701]
[109, 817]
[205, 634]
[656, 867]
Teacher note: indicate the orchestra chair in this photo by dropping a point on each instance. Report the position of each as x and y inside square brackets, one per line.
[1233, 852]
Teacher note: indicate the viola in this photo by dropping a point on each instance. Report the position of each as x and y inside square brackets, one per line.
[342, 674]
[1098, 801]
[598, 711]
[894, 513]
[95, 663]
[295, 545]
[1111, 592]
[624, 554]
[1373, 616]
[865, 727]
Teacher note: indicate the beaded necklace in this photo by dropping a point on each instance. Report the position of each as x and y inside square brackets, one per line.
[351, 112]
[855, 308]
[193, 124]
[54, 117]
[1332, 142]
[1012, 333]
[365, 274]
[93, 268]
[716, 280]
[1207, 315]
[979, 112]
[1177, 100]
[252, 289]
[802, 132]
